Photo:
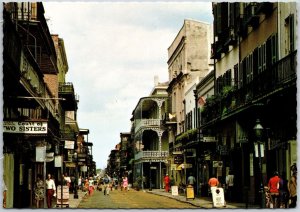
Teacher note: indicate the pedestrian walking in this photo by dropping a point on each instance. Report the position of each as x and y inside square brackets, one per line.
[91, 186]
[212, 182]
[39, 193]
[274, 189]
[67, 180]
[125, 183]
[229, 181]
[191, 180]
[283, 191]
[292, 187]
[51, 190]
[4, 188]
[167, 183]
[79, 182]
[106, 184]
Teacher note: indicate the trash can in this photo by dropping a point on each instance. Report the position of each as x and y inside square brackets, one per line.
[190, 192]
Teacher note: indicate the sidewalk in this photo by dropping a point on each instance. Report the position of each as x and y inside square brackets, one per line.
[202, 202]
[73, 203]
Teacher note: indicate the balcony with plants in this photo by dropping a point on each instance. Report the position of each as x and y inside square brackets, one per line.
[277, 77]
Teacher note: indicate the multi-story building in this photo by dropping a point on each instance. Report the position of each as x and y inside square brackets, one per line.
[150, 138]
[254, 56]
[31, 124]
[35, 106]
[126, 154]
[188, 63]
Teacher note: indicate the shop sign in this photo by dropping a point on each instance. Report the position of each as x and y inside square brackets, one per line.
[83, 168]
[70, 165]
[218, 197]
[81, 155]
[58, 161]
[178, 159]
[69, 144]
[209, 139]
[26, 127]
[217, 164]
[40, 153]
[173, 166]
[174, 190]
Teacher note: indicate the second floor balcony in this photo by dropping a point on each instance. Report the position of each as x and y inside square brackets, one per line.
[151, 155]
[281, 75]
[143, 123]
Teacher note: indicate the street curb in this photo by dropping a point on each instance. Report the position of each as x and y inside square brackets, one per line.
[170, 197]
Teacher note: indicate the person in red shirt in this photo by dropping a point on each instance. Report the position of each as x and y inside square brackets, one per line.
[213, 182]
[167, 182]
[274, 189]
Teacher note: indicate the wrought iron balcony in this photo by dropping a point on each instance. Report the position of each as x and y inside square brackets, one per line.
[281, 75]
[159, 155]
[141, 123]
[66, 91]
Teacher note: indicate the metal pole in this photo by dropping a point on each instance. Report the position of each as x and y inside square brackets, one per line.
[150, 181]
[261, 178]
[45, 177]
[160, 177]
[61, 177]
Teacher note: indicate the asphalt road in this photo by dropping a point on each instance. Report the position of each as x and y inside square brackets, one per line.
[130, 200]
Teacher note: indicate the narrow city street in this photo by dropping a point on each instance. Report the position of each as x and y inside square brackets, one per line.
[131, 199]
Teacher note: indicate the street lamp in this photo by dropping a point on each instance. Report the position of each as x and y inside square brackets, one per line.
[259, 152]
[76, 176]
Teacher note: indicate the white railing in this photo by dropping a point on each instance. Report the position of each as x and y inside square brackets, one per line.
[146, 123]
[151, 154]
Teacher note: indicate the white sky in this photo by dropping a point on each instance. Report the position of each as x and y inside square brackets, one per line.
[114, 50]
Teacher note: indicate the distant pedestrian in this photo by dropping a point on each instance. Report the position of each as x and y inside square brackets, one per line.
[4, 188]
[91, 186]
[51, 190]
[79, 182]
[274, 189]
[292, 186]
[229, 181]
[125, 183]
[213, 182]
[106, 180]
[167, 183]
[39, 193]
[191, 180]
[283, 191]
[67, 179]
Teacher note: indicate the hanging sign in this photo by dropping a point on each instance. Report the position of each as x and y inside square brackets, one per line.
[69, 144]
[26, 127]
[40, 153]
[57, 161]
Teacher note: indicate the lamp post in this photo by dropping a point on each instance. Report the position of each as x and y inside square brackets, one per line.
[76, 176]
[150, 181]
[259, 152]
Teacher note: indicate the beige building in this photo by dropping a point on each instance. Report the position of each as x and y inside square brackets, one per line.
[188, 63]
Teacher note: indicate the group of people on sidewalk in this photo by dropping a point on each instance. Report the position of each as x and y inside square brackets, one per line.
[281, 193]
[39, 193]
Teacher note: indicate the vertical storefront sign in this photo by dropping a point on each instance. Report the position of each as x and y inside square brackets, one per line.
[40, 153]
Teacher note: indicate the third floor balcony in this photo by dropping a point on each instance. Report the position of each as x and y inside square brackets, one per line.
[66, 91]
